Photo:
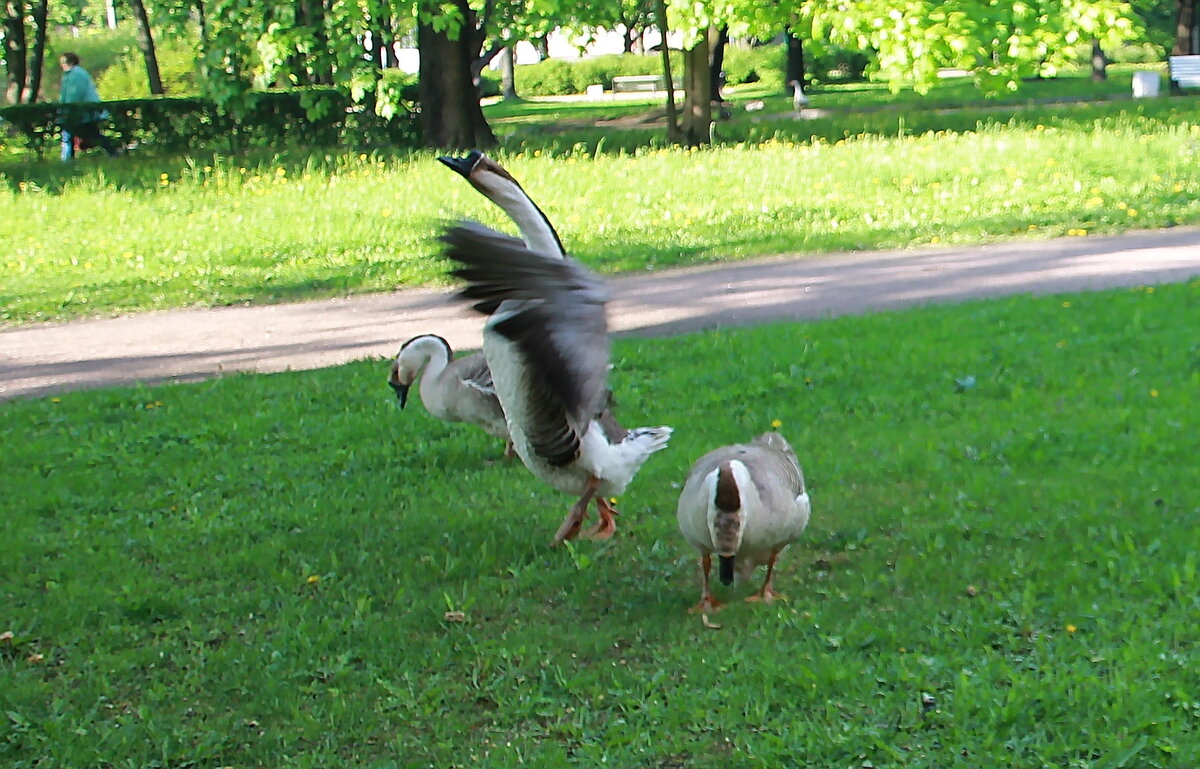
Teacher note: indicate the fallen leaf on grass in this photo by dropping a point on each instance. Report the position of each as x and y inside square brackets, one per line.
[455, 616]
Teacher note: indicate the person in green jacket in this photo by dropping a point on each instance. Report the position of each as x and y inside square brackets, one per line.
[80, 129]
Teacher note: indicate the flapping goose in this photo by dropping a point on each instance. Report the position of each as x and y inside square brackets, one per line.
[453, 390]
[745, 503]
[547, 345]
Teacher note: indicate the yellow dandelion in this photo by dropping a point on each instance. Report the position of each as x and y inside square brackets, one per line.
[777, 423]
[1149, 289]
[1066, 304]
[1094, 201]
[164, 177]
[1122, 205]
[1071, 628]
[1032, 227]
[281, 172]
[1177, 188]
[612, 500]
[1131, 212]
[56, 400]
[1154, 393]
[313, 579]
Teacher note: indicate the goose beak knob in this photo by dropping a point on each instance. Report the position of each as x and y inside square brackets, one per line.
[401, 392]
[464, 165]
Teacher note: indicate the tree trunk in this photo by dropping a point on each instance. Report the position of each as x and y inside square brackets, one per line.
[33, 85]
[794, 70]
[14, 50]
[716, 63]
[1185, 25]
[311, 14]
[672, 112]
[1099, 62]
[508, 68]
[451, 117]
[202, 28]
[697, 106]
[145, 42]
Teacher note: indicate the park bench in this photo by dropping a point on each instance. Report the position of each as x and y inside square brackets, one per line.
[1184, 72]
[639, 83]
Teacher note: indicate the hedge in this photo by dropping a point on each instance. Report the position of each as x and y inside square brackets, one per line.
[310, 116]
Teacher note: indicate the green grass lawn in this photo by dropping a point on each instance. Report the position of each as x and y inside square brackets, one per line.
[256, 570]
[101, 237]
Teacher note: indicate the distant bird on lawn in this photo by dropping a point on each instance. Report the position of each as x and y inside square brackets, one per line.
[547, 345]
[453, 390]
[799, 99]
[744, 503]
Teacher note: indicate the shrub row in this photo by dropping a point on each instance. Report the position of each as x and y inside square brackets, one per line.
[310, 116]
[743, 64]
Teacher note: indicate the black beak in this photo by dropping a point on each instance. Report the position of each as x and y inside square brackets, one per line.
[464, 165]
[725, 571]
[401, 392]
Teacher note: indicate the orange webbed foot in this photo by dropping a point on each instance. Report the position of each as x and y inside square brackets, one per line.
[607, 525]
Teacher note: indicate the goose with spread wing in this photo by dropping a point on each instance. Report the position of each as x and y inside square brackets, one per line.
[547, 345]
[452, 389]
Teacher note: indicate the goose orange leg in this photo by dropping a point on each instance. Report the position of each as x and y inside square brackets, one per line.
[570, 525]
[767, 595]
[607, 525]
[707, 601]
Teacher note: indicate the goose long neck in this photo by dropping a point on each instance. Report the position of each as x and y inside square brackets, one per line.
[437, 356]
[535, 228]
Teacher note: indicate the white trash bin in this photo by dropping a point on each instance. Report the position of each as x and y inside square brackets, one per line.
[1145, 84]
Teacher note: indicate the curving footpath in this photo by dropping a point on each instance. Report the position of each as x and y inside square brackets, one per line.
[189, 345]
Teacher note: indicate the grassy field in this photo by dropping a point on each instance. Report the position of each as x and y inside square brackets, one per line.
[104, 237]
[257, 570]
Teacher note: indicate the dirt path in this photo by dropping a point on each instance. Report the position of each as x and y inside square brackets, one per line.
[188, 345]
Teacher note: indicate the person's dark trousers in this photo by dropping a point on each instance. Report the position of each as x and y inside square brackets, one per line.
[85, 136]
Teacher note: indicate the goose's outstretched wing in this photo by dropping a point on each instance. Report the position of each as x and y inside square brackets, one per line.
[554, 316]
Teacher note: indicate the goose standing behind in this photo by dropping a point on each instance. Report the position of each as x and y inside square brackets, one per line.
[799, 98]
[453, 390]
[745, 503]
[547, 345]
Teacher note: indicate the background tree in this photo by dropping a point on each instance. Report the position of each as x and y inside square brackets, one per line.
[23, 61]
[145, 40]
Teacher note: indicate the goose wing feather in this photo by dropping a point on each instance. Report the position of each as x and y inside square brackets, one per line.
[555, 318]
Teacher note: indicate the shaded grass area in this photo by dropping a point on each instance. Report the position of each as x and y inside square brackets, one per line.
[256, 570]
[139, 234]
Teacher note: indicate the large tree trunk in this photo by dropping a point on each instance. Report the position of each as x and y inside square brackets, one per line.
[697, 106]
[508, 69]
[37, 55]
[794, 70]
[716, 63]
[145, 40]
[14, 50]
[451, 117]
[1185, 28]
[672, 113]
[1099, 62]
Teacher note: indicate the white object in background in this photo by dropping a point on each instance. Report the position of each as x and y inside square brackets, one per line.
[1145, 84]
[595, 91]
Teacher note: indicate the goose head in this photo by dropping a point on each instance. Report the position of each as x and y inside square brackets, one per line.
[495, 183]
[411, 358]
